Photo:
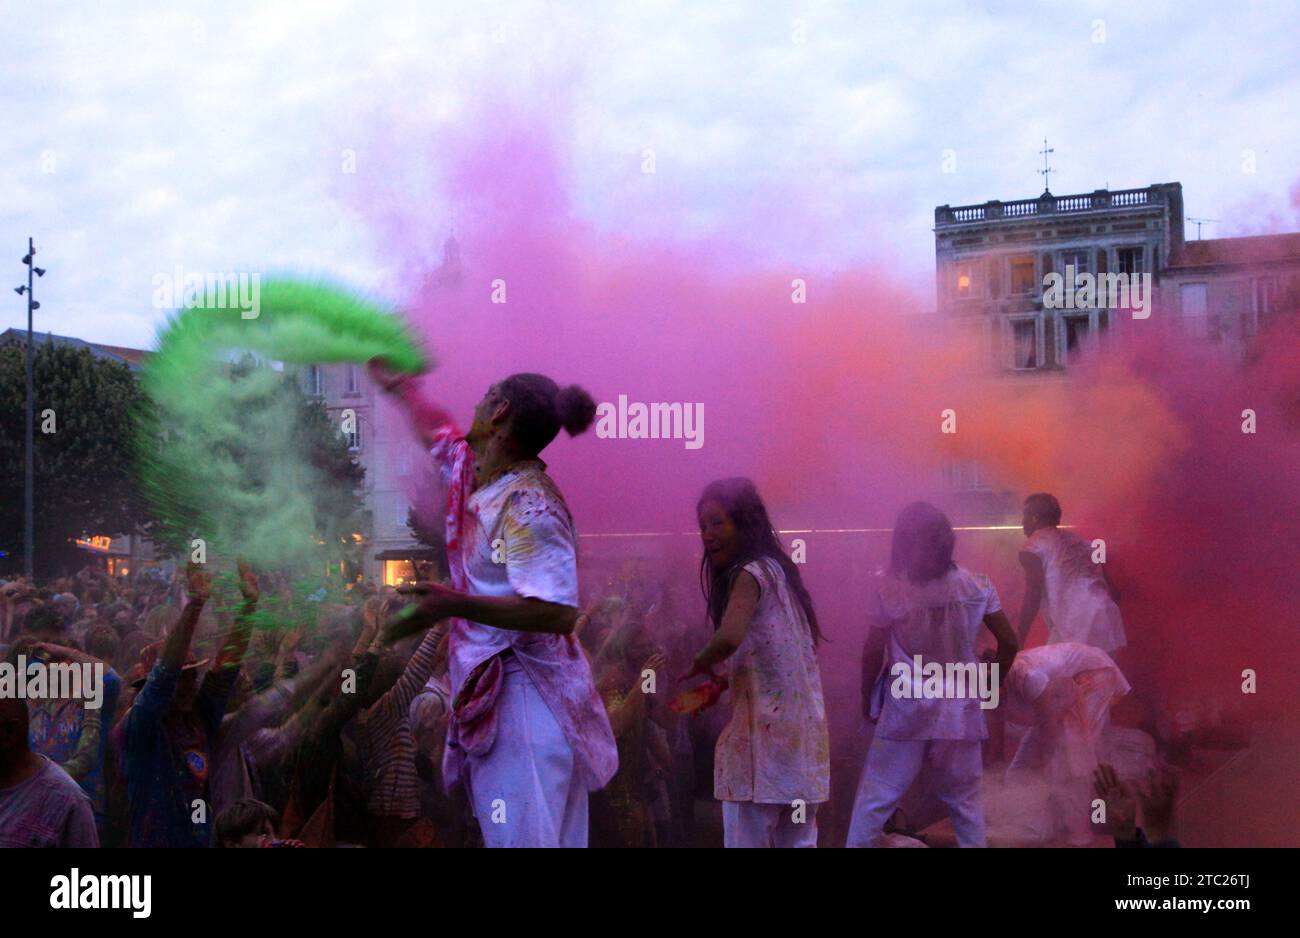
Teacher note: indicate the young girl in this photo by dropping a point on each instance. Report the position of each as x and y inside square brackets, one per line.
[772, 762]
[932, 609]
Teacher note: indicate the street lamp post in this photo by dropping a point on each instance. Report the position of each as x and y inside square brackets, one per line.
[28, 501]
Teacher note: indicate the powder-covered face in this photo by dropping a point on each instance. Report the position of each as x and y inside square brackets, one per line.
[484, 416]
[719, 534]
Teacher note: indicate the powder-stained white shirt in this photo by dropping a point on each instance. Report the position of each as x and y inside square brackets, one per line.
[1077, 605]
[939, 621]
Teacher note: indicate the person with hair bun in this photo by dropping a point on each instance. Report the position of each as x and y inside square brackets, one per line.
[528, 735]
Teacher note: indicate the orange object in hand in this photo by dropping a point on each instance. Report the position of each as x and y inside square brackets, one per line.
[700, 698]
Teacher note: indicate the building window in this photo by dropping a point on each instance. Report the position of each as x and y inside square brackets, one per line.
[1264, 293]
[403, 509]
[1023, 280]
[965, 476]
[964, 284]
[351, 383]
[1076, 259]
[399, 572]
[1076, 334]
[1024, 344]
[1192, 302]
[315, 382]
[1131, 260]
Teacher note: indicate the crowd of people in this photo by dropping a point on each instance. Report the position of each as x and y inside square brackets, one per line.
[489, 706]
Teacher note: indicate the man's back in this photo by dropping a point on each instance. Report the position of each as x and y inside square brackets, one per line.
[1079, 606]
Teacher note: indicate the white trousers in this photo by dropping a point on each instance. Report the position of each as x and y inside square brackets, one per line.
[526, 791]
[892, 765]
[747, 824]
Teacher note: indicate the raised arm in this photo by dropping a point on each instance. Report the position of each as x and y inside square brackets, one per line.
[236, 642]
[396, 701]
[177, 645]
[425, 417]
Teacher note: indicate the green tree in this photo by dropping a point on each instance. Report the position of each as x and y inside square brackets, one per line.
[84, 481]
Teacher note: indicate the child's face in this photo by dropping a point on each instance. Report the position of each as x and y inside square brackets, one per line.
[719, 535]
[255, 838]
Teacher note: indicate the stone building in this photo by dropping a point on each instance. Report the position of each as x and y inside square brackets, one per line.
[991, 261]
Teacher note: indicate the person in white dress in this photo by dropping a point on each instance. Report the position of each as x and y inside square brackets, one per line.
[772, 760]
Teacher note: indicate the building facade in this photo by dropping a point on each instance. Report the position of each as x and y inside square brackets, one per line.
[993, 264]
[1227, 289]
[991, 261]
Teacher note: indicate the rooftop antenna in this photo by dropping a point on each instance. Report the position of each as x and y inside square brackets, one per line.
[1046, 171]
[1201, 221]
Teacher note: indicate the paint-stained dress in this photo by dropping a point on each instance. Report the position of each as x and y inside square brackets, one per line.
[776, 748]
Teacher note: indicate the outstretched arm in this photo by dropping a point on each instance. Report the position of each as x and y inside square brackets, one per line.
[741, 606]
[425, 417]
[517, 613]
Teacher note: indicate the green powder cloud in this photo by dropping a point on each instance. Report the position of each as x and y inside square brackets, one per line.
[221, 450]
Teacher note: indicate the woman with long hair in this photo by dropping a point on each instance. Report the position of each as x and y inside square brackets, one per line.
[772, 761]
[926, 619]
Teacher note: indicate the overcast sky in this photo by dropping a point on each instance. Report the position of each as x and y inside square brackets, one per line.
[210, 134]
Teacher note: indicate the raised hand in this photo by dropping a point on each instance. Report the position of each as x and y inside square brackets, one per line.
[1121, 805]
[248, 582]
[198, 582]
[1157, 797]
[382, 375]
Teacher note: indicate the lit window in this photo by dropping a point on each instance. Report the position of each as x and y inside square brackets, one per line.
[398, 572]
[965, 280]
